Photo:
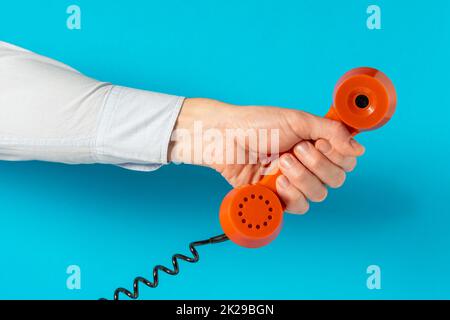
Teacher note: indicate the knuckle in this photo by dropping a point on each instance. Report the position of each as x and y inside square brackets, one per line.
[282, 158]
[338, 127]
[291, 198]
[316, 162]
[324, 147]
[340, 131]
[300, 174]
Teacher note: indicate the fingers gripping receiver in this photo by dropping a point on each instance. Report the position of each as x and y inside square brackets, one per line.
[252, 216]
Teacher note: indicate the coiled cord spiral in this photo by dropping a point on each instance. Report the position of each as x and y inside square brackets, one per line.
[176, 268]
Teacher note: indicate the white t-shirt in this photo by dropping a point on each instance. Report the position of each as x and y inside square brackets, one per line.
[51, 112]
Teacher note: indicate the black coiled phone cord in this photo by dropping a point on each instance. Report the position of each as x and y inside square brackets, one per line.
[173, 272]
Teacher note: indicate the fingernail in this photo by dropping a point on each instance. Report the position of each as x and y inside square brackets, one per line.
[302, 147]
[287, 161]
[283, 181]
[323, 146]
[358, 147]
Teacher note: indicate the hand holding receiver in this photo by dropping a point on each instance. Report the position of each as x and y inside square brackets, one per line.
[252, 215]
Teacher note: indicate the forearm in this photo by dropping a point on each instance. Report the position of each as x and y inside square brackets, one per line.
[51, 112]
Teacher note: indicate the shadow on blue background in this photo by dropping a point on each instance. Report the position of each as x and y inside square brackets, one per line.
[116, 224]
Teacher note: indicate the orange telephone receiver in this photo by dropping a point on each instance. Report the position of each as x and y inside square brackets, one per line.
[252, 215]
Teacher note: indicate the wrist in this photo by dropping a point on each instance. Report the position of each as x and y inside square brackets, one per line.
[196, 116]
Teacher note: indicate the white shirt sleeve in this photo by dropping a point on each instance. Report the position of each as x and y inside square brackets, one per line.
[51, 112]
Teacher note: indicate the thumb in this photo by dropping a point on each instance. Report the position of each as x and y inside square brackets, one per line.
[334, 132]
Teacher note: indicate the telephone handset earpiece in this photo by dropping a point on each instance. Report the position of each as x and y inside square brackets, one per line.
[252, 216]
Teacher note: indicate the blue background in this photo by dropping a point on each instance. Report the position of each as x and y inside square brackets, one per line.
[116, 224]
